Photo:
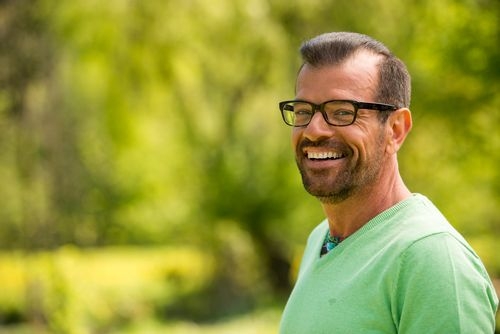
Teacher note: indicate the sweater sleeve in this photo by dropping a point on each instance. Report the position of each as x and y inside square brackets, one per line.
[442, 287]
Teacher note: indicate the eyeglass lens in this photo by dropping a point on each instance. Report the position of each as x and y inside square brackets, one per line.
[336, 112]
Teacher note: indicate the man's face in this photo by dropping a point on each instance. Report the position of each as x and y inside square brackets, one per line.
[356, 152]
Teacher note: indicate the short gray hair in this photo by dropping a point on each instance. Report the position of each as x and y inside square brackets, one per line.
[334, 48]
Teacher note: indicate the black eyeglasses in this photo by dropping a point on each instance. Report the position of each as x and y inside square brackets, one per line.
[335, 112]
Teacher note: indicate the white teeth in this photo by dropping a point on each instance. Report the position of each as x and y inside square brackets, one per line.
[324, 155]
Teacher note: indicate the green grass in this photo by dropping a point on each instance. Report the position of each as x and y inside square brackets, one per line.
[262, 321]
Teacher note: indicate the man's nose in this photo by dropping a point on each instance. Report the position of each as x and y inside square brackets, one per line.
[317, 127]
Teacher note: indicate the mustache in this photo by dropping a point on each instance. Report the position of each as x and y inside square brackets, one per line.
[328, 143]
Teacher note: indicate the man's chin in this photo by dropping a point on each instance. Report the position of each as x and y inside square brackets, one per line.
[332, 199]
[329, 197]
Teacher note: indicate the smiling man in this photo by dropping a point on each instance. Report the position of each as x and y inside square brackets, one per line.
[385, 260]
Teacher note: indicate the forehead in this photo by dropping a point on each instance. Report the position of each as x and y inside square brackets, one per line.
[355, 79]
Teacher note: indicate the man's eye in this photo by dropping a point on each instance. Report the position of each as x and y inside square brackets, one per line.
[343, 112]
[302, 112]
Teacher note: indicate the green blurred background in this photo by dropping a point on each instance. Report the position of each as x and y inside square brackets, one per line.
[148, 183]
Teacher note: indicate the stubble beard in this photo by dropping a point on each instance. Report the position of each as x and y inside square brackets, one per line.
[333, 187]
[326, 190]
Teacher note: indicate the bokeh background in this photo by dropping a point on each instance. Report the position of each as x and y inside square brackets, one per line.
[148, 183]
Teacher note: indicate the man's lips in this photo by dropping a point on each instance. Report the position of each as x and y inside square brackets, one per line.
[322, 151]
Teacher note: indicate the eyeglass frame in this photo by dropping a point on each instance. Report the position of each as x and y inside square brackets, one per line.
[321, 108]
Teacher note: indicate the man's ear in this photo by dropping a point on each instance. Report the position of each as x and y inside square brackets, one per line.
[399, 125]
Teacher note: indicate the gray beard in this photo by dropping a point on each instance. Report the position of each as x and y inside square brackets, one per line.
[346, 183]
[351, 180]
[328, 197]
[335, 198]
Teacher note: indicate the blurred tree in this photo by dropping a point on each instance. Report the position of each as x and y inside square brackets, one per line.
[25, 62]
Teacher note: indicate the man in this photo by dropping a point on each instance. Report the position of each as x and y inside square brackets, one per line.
[384, 260]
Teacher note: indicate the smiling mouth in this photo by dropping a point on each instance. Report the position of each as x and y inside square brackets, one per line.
[324, 155]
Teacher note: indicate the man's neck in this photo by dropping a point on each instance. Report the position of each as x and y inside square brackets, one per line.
[347, 217]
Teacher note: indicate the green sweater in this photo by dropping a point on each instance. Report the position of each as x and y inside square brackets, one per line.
[406, 271]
